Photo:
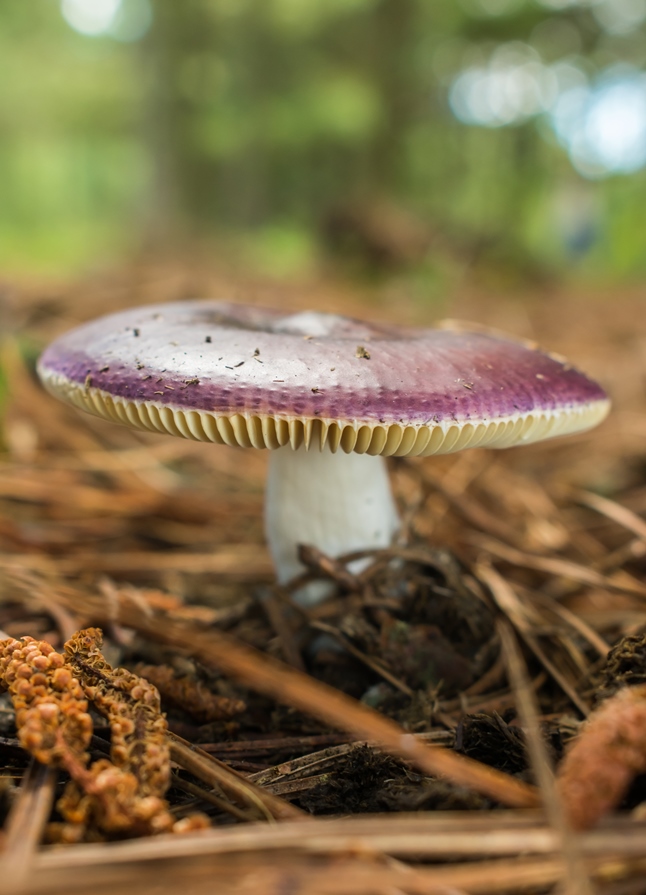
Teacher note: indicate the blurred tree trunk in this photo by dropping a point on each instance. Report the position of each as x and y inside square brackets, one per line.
[391, 39]
[196, 185]
[181, 178]
[161, 126]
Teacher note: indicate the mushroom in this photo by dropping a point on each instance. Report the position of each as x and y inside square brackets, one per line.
[328, 395]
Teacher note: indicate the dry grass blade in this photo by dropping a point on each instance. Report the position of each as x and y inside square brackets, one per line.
[561, 568]
[237, 562]
[40, 594]
[505, 597]
[577, 881]
[342, 857]
[573, 621]
[305, 876]
[25, 824]
[208, 769]
[345, 876]
[471, 511]
[507, 600]
[451, 835]
[26, 393]
[41, 489]
[635, 549]
[613, 510]
[289, 686]
[209, 796]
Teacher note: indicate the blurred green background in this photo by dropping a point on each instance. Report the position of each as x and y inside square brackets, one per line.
[443, 135]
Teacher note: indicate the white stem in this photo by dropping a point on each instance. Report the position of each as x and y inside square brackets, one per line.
[336, 502]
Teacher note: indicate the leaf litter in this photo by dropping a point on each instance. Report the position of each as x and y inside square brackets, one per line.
[409, 734]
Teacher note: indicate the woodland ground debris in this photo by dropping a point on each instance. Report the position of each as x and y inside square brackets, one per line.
[181, 537]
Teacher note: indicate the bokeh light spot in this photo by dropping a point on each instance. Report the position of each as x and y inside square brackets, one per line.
[132, 20]
[604, 127]
[514, 86]
[620, 16]
[123, 20]
[90, 17]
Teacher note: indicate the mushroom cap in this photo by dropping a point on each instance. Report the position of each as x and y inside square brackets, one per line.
[255, 377]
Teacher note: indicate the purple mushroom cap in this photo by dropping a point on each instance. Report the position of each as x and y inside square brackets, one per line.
[224, 372]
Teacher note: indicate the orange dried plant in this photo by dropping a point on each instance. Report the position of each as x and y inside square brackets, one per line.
[51, 708]
[50, 693]
[132, 707]
[191, 695]
[107, 799]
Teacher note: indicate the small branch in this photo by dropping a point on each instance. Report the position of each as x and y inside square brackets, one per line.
[223, 805]
[217, 774]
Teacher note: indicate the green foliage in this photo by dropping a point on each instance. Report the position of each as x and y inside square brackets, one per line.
[72, 165]
[262, 116]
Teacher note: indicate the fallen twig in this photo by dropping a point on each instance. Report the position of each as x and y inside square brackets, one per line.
[208, 769]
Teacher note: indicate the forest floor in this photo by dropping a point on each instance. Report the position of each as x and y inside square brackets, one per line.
[400, 737]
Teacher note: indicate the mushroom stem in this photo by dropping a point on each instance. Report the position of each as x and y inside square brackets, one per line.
[336, 502]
